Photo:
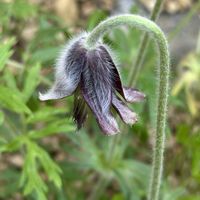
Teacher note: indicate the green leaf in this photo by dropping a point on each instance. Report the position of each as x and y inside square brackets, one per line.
[9, 175]
[174, 193]
[96, 17]
[31, 179]
[51, 168]
[14, 145]
[118, 197]
[5, 52]
[4, 10]
[1, 117]
[3, 141]
[31, 81]
[53, 128]
[45, 114]
[12, 101]
[133, 178]
[45, 54]
[22, 9]
[9, 79]
[190, 197]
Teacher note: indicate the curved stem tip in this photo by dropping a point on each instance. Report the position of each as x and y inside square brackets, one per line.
[163, 85]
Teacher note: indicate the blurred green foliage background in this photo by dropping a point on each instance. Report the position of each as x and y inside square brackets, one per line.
[42, 154]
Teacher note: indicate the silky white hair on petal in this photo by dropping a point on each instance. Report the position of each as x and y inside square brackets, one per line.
[66, 75]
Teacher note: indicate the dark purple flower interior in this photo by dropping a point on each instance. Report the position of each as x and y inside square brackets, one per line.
[96, 87]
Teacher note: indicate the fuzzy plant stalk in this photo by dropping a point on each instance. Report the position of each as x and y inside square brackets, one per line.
[143, 45]
[163, 83]
[137, 65]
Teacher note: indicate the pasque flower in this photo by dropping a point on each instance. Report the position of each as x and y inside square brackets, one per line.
[91, 75]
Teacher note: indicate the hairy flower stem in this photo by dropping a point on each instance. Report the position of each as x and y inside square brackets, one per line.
[163, 82]
[143, 46]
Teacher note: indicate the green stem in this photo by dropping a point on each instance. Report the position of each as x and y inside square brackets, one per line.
[137, 65]
[15, 64]
[113, 142]
[145, 40]
[198, 43]
[163, 82]
[185, 20]
[143, 46]
[156, 10]
[139, 60]
[12, 129]
[99, 188]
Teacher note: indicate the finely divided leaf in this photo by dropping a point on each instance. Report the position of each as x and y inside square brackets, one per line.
[31, 81]
[12, 101]
[6, 52]
[1, 117]
[56, 127]
[31, 179]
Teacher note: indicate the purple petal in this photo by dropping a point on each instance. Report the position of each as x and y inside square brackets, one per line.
[68, 72]
[80, 110]
[133, 95]
[108, 124]
[96, 86]
[129, 94]
[128, 116]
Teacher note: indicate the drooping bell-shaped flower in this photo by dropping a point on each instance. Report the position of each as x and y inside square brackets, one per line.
[91, 75]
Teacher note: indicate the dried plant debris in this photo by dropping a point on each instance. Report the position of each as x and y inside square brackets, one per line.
[72, 10]
[170, 6]
[88, 6]
[67, 10]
